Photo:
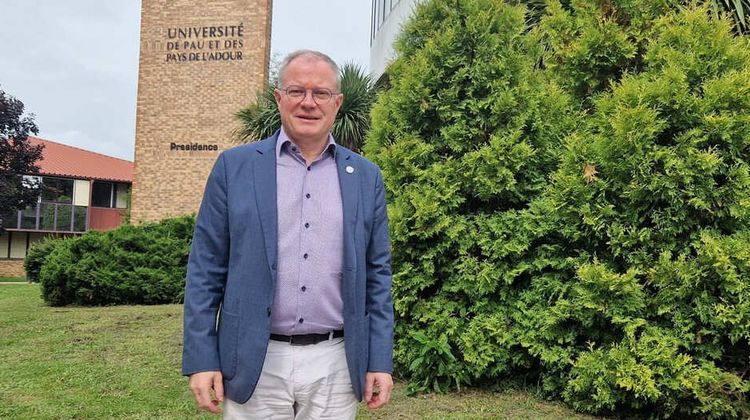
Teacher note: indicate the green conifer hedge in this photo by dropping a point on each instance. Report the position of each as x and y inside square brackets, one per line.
[570, 204]
[143, 264]
[36, 256]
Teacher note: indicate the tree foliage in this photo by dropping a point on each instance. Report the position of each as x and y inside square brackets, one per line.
[17, 156]
[261, 119]
[569, 204]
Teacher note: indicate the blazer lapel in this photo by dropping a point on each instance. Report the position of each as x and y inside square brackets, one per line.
[265, 198]
[349, 183]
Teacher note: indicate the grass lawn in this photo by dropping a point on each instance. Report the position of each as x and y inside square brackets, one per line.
[12, 279]
[123, 362]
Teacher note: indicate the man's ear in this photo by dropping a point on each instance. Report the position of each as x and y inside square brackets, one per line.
[338, 101]
[277, 95]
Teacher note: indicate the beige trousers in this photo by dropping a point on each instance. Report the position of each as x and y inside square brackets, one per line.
[300, 382]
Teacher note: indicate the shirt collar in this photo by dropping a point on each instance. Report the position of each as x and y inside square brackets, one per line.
[283, 141]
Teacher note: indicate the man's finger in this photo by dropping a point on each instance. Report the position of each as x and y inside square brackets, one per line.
[368, 387]
[384, 384]
[219, 388]
[385, 392]
[201, 384]
[202, 398]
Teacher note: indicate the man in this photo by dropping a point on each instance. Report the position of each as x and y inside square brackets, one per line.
[288, 310]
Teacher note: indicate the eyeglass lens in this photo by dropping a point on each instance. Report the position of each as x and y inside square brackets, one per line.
[318, 94]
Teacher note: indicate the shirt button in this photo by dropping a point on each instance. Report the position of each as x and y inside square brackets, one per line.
[307, 195]
[307, 225]
[301, 320]
[304, 256]
[304, 288]
[309, 168]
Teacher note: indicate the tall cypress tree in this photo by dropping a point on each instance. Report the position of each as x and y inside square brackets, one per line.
[569, 203]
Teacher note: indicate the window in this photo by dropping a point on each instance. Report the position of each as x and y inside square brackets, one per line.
[57, 190]
[10, 220]
[101, 195]
[372, 21]
[109, 195]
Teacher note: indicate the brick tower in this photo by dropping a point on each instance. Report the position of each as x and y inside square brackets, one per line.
[200, 63]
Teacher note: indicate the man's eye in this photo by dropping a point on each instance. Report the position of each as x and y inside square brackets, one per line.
[295, 92]
[321, 94]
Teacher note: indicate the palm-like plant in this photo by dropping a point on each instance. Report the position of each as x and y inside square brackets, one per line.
[261, 119]
[353, 119]
[737, 9]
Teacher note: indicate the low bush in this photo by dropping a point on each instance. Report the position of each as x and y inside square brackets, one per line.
[143, 264]
[36, 256]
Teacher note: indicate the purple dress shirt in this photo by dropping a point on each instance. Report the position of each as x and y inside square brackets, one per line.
[310, 242]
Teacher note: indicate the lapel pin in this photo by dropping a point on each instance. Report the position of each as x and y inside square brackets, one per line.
[349, 170]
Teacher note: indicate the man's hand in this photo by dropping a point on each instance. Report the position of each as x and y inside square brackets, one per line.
[378, 386]
[201, 384]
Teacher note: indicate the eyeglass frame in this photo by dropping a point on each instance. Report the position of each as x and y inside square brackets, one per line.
[312, 94]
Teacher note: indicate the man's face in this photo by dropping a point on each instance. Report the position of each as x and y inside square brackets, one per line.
[306, 121]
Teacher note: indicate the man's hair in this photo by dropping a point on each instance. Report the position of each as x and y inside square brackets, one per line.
[313, 54]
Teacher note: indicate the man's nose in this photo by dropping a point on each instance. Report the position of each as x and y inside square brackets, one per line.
[308, 99]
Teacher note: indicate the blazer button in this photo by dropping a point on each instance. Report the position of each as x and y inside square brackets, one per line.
[268, 311]
[273, 266]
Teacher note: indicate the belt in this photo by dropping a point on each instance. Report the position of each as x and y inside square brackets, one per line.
[307, 339]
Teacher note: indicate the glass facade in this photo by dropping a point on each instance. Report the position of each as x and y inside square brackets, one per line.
[380, 11]
[50, 217]
[54, 211]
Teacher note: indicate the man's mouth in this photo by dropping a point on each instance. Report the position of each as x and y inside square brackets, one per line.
[308, 117]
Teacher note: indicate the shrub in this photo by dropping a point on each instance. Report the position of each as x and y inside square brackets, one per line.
[574, 216]
[36, 256]
[130, 265]
[654, 190]
[466, 138]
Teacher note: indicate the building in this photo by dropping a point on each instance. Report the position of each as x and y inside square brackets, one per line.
[200, 62]
[83, 191]
[385, 24]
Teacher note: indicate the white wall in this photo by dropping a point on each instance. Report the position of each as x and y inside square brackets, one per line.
[18, 245]
[4, 245]
[381, 48]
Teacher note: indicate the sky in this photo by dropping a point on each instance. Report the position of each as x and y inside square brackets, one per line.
[74, 63]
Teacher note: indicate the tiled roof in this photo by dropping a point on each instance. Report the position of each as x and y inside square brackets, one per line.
[72, 162]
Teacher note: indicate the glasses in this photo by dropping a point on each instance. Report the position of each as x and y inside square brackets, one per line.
[319, 95]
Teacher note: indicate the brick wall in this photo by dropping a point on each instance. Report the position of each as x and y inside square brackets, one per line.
[197, 68]
[12, 268]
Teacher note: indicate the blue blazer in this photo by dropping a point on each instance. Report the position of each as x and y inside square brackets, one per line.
[231, 276]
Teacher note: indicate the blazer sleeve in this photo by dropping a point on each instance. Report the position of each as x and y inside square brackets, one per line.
[379, 301]
[206, 276]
